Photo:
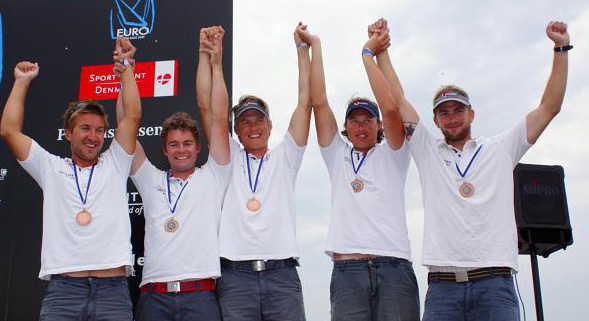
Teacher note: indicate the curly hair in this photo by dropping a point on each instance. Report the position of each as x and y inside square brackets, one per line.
[182, 121]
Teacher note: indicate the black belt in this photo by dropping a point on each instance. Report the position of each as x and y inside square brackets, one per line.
[259, 265]
[472, 275]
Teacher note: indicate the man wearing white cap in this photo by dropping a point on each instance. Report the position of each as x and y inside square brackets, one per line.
[470, 237]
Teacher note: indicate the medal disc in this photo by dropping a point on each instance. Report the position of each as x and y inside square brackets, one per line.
[357, 185]
[83, 217]
[253, 204]
[171, 225]
[466, 189]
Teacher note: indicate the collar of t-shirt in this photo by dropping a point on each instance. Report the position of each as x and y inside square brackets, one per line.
[84, 174]
[254, 164]
[176, 184]
[458, 155]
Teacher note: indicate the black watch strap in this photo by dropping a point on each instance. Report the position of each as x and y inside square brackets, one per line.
[563, 48]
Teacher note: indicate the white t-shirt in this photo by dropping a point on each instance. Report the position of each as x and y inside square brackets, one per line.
[192, 251]
[68, 246]
[371, 221]
[270, 233]
[475, 231]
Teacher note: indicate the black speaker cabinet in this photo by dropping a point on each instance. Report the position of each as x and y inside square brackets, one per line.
[541, 210]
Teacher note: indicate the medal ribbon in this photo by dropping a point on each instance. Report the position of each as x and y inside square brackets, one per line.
[356, 170]
[249, 173]
[173, 209]
[85, 198]
[470, 163]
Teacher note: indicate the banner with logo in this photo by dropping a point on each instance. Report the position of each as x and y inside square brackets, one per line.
[73, 42]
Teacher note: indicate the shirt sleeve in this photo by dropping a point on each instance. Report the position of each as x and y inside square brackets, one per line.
[421, 142]
[145, 175]
[119, 157]
[293, 152]
[222, 173]
[38, 162]
[401, 156]
[515, 141]
[331, 152]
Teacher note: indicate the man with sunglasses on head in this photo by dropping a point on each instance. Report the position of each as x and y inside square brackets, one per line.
[86, 251]
[470, 236]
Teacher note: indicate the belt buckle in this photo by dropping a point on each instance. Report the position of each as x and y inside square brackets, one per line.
[461, 276]
[259, 265]
[173, 286]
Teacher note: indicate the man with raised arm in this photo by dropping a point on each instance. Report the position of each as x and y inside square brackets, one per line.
[372, 276]
[86, 251]
[182, 209]
[259, 253]
[470, 237]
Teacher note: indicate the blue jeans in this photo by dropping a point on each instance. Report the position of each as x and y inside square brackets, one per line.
[201, 305]
[92, 299]
[383, 288]
[273, 294]
[492, 299]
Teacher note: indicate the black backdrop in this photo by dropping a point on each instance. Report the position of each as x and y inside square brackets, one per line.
[63, 36]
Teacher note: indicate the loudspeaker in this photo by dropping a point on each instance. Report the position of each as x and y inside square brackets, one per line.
[541, 209]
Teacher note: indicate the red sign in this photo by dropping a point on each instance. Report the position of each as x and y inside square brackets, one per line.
[154, 79]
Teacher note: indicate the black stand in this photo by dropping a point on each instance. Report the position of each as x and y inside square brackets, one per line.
[537, 291]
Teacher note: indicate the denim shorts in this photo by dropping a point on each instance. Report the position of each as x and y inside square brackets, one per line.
[201, 305]
[488, 299]
[87, 298]
[382, 288]
[273, 294]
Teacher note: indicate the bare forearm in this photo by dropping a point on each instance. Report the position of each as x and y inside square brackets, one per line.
[318, 91]
[300, 121]
[385, 64]
[407, 111]
[304, 64]
[119, 107]
[203, 91]
[219, 96]
[131, 100]
[219, 132]
[389, 106]
[380, 86]
[13, 115]
[557, 82]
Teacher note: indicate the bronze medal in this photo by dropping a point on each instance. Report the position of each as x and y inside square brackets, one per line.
[83, 218]
[357, 185]
[171, 225]
[466, 189]
[253, 204]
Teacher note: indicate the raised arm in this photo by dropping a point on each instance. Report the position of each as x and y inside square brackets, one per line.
[539, 118]
[219, 102]
[204, 78]
[408, 113]
[387, 102]
[13, 114]
[139, 156]
[126, 134]
[301, 118]
[325, 122]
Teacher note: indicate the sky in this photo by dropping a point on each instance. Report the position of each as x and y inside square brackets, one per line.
[497, 50]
